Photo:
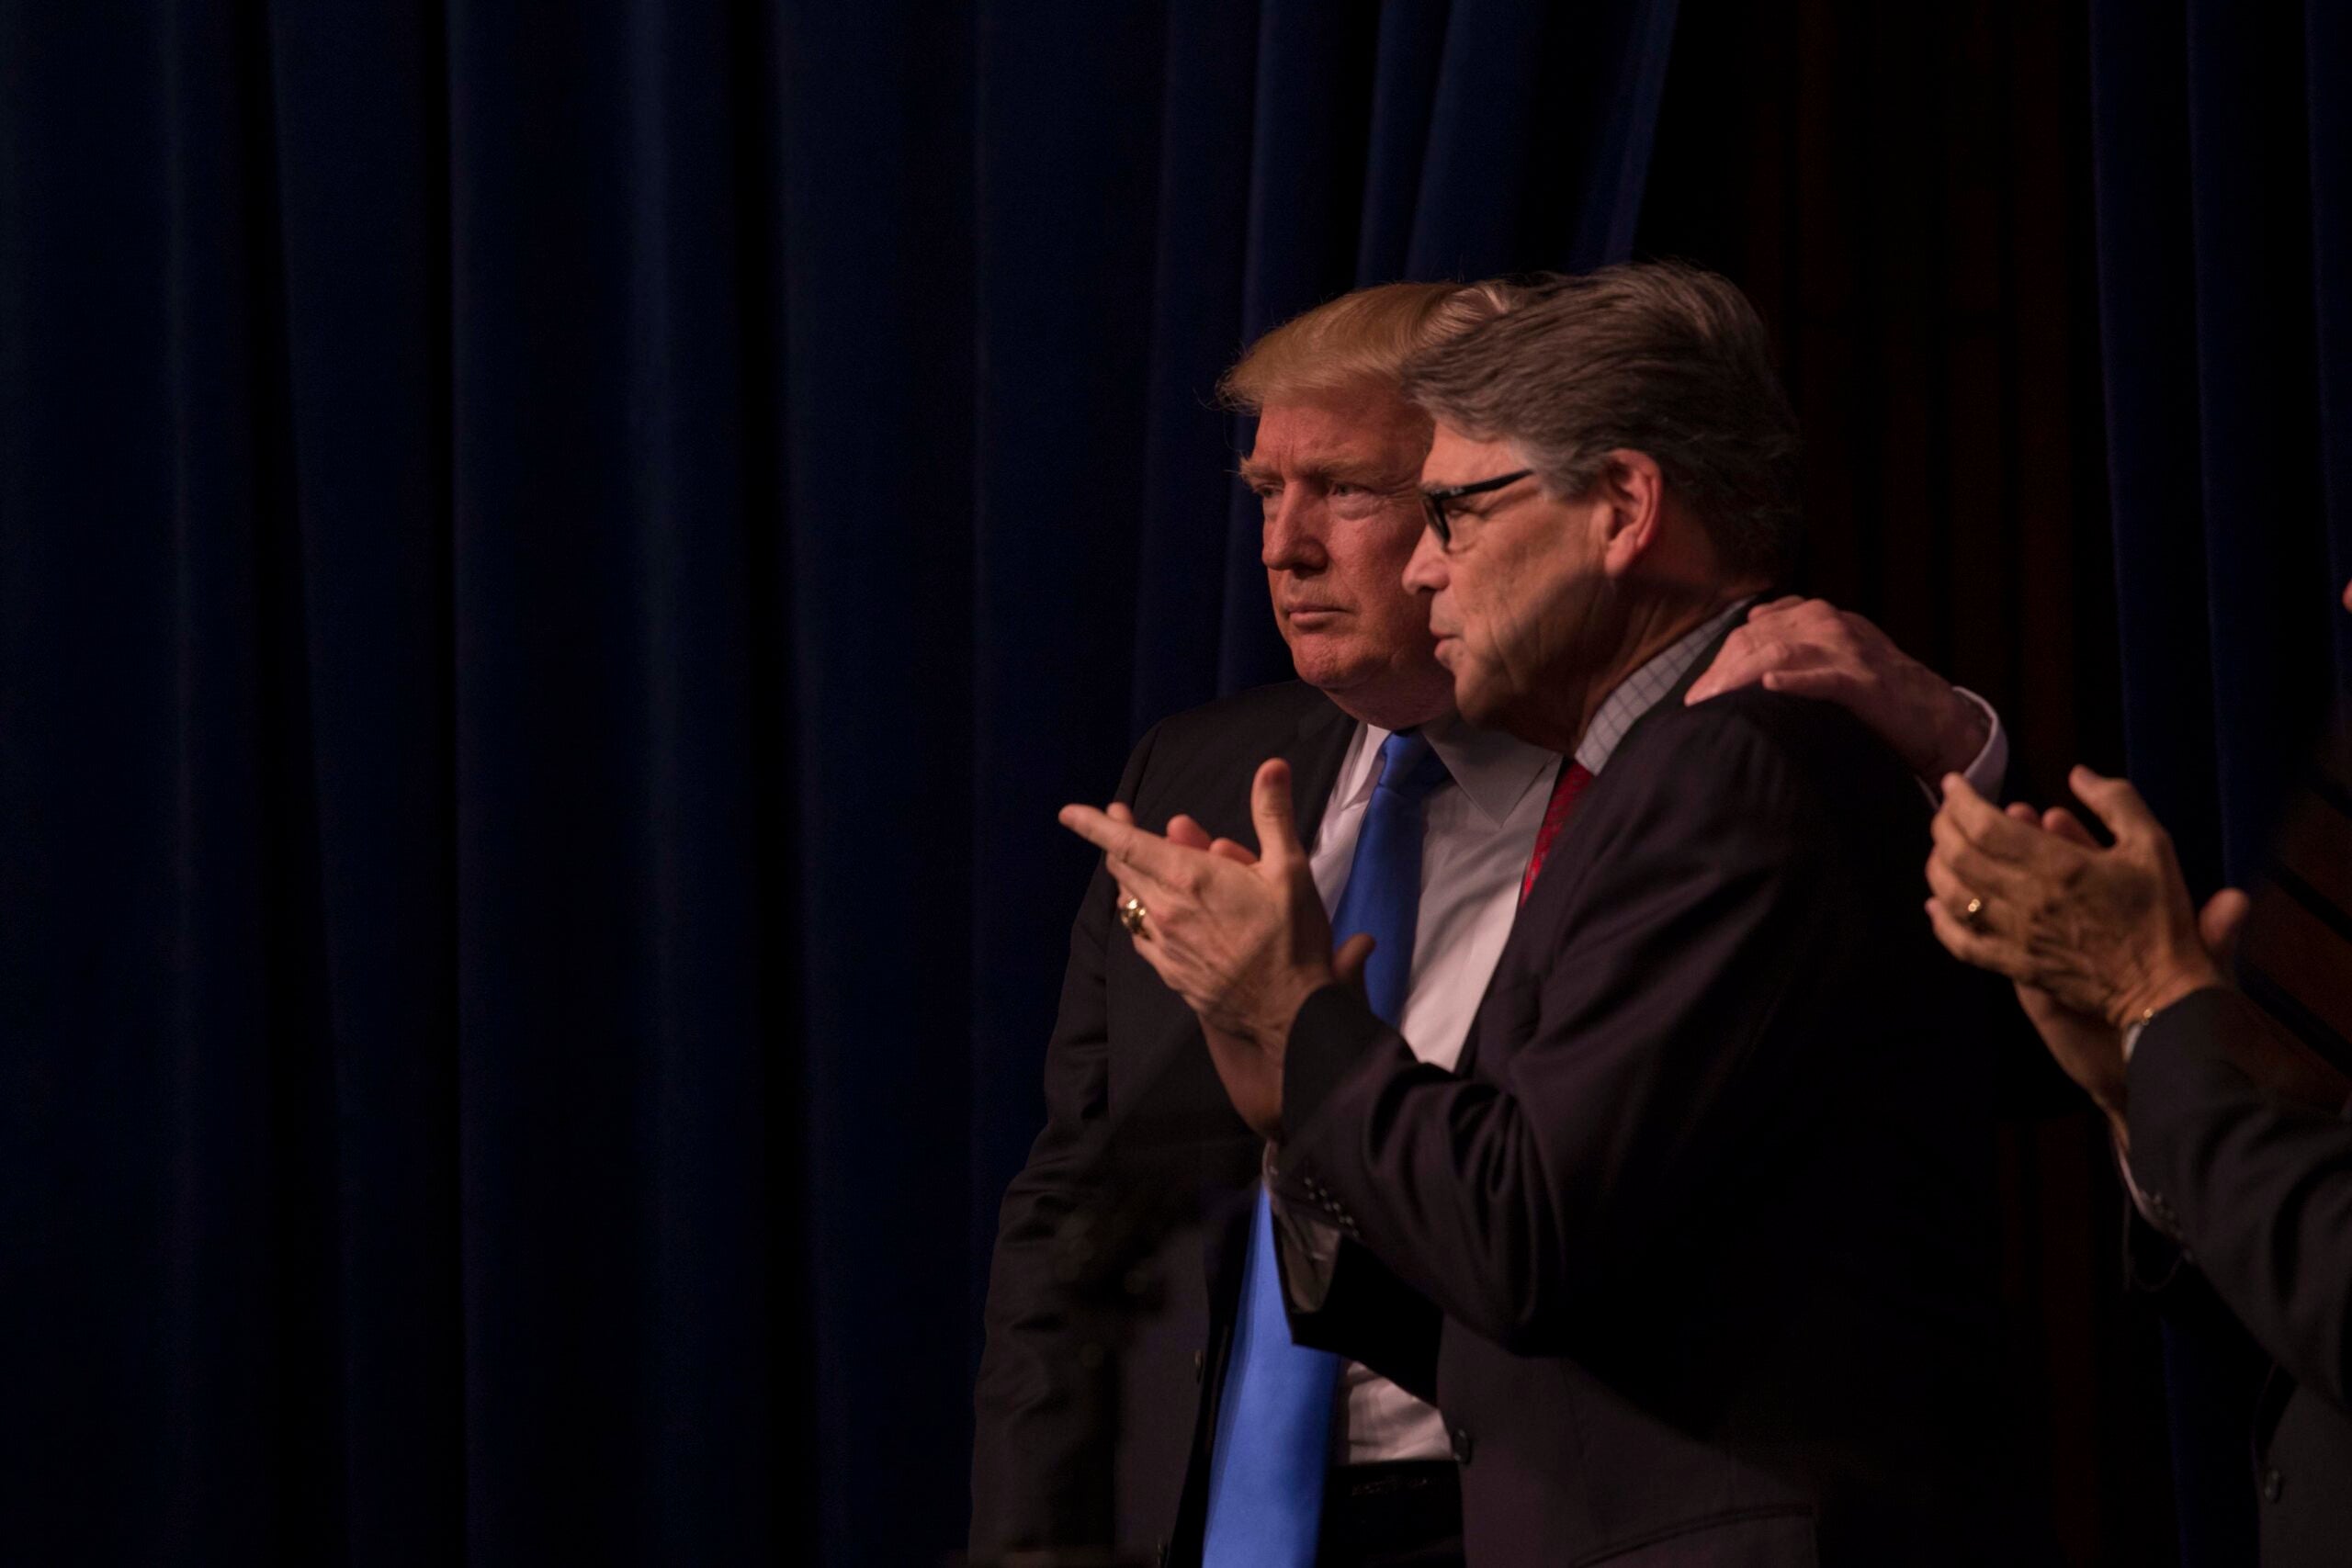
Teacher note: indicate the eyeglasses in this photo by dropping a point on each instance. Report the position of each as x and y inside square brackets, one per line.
[1435, 501]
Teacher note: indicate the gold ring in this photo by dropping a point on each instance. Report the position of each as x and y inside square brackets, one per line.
[1131, 916]
[1972, 917]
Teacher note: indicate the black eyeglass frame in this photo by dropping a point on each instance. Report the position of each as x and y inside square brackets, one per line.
[1435, 501]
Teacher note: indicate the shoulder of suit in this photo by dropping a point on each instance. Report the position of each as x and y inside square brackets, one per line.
[1278, 709]
[1811, 738]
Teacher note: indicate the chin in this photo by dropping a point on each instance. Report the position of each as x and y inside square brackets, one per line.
[1482, 703]
[1329, 668]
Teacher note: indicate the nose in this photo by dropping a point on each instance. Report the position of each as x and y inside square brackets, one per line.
[1292, 537]
[1425, 572]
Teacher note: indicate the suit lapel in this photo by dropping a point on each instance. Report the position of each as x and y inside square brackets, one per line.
[1314, 748]
[1313, 754]
[1518, 939]
[1314, 751]
[1182, 1101]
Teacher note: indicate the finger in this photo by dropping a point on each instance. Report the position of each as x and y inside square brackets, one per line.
[1954, 891]
[2114, 802]
[1158, 956]
[2220, 921]
[1182, 830]
[1746, 655]
[1982, 873]
[1120, 811]
[1141, 860]
[1269, 810]
[1239, 854]
[1786, 602]
[1827, 682]
[1347, 962]
[2061, 823]
[2019, 811]
[1121, 891]
[1983, 824]
[1969, 947]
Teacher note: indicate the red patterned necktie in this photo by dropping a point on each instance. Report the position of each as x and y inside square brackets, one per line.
[1564, 790]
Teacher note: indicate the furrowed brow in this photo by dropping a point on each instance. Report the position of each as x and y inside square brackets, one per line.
[1364, 476]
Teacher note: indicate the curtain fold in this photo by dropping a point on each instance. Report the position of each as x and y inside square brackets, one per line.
[2223, 207]
[555, 565]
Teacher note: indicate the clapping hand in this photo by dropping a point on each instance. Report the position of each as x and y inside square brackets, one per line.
[1241, 937]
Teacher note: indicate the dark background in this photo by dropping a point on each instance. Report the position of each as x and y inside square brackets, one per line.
[556, 561]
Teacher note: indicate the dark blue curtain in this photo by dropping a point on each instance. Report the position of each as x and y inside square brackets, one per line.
[2224, 153]
[554, 563]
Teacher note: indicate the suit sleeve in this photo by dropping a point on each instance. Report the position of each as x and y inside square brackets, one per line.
[1041, 1475]
[1338, 1297]
[2258, 1188]
[1650, 1051]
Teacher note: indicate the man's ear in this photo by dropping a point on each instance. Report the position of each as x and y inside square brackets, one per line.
[1635, 493]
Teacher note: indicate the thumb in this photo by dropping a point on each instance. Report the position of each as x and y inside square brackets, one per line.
[2064, 824]
[1347, 964]
[2219, 923]
[2114, 802]
[1270, 809]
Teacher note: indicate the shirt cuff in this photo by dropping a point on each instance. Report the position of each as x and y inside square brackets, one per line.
[1992, 764]
[1985, 774]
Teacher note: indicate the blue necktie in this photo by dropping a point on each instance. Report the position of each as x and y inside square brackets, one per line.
[1274, 1428]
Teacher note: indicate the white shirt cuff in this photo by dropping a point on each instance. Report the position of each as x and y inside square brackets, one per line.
[1992, 764]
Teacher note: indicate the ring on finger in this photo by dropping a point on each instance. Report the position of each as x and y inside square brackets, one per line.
[1972, 917]
[1131, 915]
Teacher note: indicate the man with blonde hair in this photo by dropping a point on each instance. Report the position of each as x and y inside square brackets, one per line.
[1197, 1428]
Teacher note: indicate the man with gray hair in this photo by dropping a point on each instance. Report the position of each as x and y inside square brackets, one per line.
[1692, 1245]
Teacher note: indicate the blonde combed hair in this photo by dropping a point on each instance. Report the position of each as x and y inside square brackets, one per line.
[1363, 338]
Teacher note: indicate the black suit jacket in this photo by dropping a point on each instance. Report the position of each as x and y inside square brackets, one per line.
[1119, 1246]
[1705, 1215]
[2260, 1190]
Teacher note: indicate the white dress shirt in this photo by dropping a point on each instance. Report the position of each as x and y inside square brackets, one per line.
[1478, 833]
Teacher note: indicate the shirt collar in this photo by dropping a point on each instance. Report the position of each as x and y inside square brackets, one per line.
[1646, 687]
[1494, 769]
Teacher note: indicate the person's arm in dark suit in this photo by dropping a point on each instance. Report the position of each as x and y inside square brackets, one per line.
[1341, 1298]
[1041, 1469]
[2256, 1183]
[1506, 1197]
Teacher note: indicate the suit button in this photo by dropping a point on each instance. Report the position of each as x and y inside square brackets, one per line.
[2272, 1484]
[1462, 1445]
[1200, 1365]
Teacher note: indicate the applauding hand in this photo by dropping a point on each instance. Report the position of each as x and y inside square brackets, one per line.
[1242, 938]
